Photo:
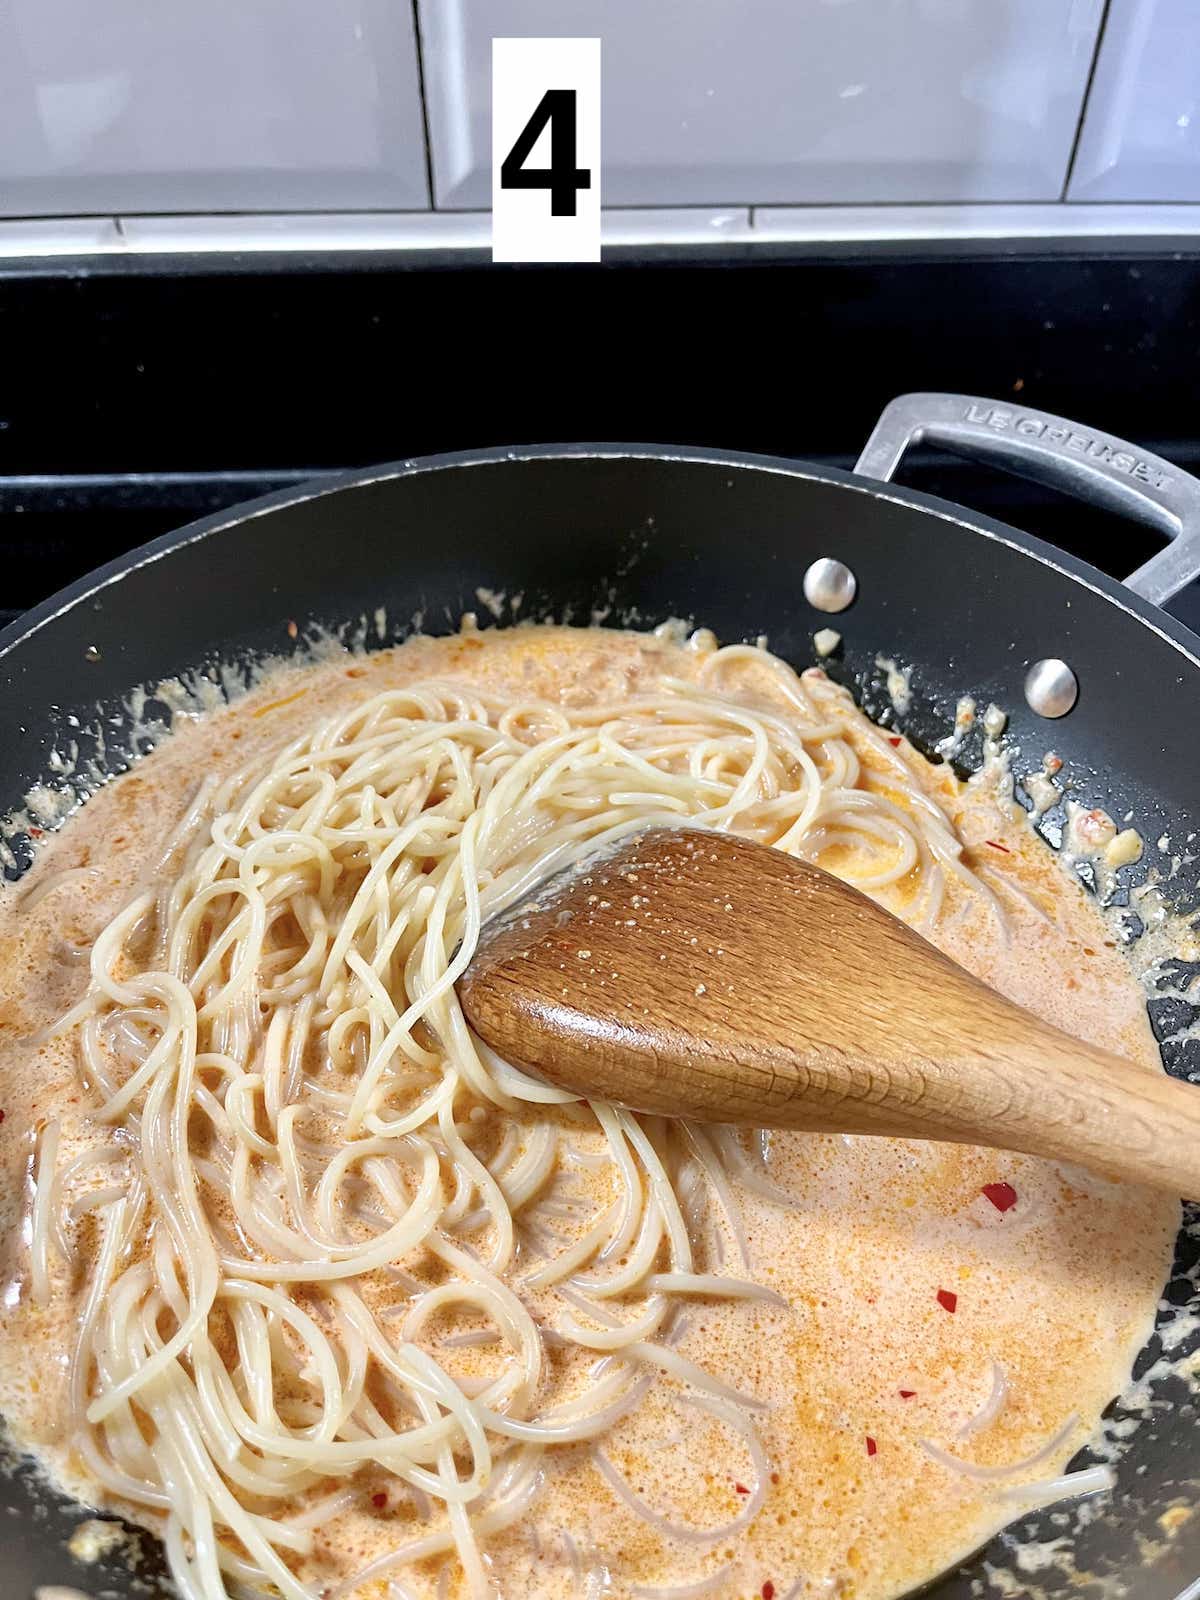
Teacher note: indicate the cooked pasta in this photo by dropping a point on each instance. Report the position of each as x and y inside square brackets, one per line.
[326, 1233]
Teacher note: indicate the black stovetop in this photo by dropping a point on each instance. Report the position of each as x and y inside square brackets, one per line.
[133, 401]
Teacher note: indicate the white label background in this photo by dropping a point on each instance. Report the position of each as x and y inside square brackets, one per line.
[523, 228]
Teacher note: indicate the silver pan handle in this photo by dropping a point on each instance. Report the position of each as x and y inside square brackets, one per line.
[1095, 466]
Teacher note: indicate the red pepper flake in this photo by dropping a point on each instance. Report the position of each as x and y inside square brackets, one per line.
[871, 1446]
[379, 1500]
[947, 1299]
[906, 1394]
[768, 1590]
[1002, 1195]
[741, 1488]
[996, 845]
[893, 740]
[35, 833]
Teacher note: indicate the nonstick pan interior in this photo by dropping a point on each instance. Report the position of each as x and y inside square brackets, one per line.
[629, 538]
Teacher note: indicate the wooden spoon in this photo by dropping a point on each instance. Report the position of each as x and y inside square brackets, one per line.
[698, 975]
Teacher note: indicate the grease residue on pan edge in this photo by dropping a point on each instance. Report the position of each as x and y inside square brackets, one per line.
[905, 1282]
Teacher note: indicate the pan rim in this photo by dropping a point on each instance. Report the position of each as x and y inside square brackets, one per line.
[1184, 643]
[1175, 634]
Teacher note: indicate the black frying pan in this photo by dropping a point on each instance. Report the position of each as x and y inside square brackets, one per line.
[631, 535]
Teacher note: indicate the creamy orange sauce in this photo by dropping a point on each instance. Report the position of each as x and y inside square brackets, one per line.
[883, 1236]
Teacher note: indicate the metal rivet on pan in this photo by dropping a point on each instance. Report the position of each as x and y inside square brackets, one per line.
[829, 585]
[1051, 688]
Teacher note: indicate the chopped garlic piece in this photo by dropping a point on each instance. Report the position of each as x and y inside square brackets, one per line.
[1090, 830]
[1044, 793]
[1174, 1518]
[674, 630]
[964, 721]
[94, 1539]
[1124, 849]
[994, 721]
[898, 687]
[826, 641]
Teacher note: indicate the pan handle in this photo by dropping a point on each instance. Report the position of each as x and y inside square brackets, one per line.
[1095, 466]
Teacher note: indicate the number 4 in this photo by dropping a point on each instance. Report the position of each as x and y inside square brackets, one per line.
[562, 177]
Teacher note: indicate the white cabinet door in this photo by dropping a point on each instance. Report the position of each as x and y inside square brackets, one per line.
[728, 102]
[1141, 135]
[208, 105]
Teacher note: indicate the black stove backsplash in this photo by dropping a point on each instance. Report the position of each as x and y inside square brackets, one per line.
[132, 402]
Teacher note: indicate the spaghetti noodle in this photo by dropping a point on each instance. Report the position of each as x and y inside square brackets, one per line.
[329, 1239]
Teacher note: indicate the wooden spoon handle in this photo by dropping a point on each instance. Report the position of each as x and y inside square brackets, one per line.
[1038, 1091]
[1051, 1095]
